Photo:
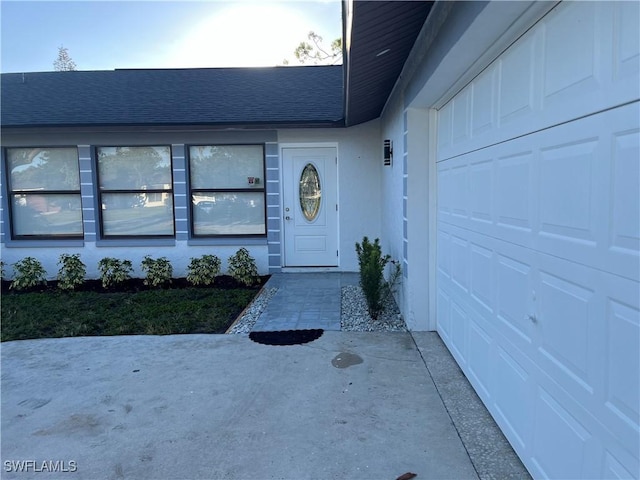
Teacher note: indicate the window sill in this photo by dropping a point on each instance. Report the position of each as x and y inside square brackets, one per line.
[135, 242]
[233, 241]
[44, 243]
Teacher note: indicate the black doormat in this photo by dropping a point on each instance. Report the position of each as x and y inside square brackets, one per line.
[286, 337]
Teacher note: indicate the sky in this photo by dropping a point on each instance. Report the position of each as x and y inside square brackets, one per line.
[105, 35]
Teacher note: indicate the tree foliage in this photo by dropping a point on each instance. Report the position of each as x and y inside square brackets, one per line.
[313, 51]
[44, 169]
[64, 63]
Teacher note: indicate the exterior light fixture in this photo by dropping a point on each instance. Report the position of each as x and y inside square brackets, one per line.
[388, 152]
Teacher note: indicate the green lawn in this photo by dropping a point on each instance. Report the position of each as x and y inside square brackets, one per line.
[53, 314]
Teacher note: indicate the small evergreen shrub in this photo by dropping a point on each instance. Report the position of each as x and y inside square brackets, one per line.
[158, 271]
[372, 264]
[29, 273]
[1, 270]
[203, 270]
[72, 271]
[242, 267]
[114, 271]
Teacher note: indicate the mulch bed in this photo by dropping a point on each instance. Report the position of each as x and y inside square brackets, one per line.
[224, 282]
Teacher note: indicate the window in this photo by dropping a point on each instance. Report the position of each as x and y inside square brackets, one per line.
[227, 190]
[135, 191]
[44, 193]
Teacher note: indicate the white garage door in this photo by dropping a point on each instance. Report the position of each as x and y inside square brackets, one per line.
[539, 240]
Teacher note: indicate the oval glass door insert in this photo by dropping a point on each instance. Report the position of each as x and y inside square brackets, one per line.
[310, 192]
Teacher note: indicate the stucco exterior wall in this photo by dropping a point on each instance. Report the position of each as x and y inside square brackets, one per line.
[179, 255]
[92, 249]
[394, 200]
[359, 181]
[359, 196]
[391, 127]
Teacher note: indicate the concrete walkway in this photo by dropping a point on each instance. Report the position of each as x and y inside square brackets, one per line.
[304, 301]
[348, 405]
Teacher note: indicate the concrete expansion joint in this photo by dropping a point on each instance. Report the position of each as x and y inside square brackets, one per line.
[453, 422]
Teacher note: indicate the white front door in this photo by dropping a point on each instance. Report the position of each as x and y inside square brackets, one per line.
[310, 210]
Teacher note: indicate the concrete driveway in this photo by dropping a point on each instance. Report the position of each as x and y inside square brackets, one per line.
[346, 406]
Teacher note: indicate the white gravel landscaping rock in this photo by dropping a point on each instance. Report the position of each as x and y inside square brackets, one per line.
[244, 325]
[354, 315]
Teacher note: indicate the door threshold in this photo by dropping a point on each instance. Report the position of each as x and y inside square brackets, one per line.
[309, 269]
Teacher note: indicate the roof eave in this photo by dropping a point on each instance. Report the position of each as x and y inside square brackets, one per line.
[181, 126]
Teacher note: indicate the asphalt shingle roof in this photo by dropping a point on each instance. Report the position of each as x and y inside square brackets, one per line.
[212, 96]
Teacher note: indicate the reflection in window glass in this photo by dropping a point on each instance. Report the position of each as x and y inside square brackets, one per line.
[136, 213]
[136, 196]
[134, 168]
[224, 167]
[239, 213]
[227, 190]
[44, 188]
[47, 215]
[310, 192]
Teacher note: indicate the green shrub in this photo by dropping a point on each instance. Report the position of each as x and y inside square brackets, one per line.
[29, 273]
[1, 270]
[242, 267]
[372, 264]
[203, 270]
[72, 271]
[158, 271]
[114, 271]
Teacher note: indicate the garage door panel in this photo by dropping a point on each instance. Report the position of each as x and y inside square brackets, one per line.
[460, 120]
[444, 255]
[513, 192]
[445, 192]
[460, 263]
[579, 51]
[444, 315]
[625, 206]
[556, 430]
[480, 190]
[511, 382]
[567, 334]
[588, 339]
[614, 469]
[577, 196]
[619, 400]
[513, 397]
[482, 283]
[623, 334]
[514, 291]
[483, 103]
[567, 193]
[570, 63]
[600, 436]
[577, 225]
[625, 42]
[501, 282]
[574, 345]
[480, 352]
[459, 206]
[538, 218]
[517, 87]
[459, 324]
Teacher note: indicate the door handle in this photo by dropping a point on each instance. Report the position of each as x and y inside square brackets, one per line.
[287, 217]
